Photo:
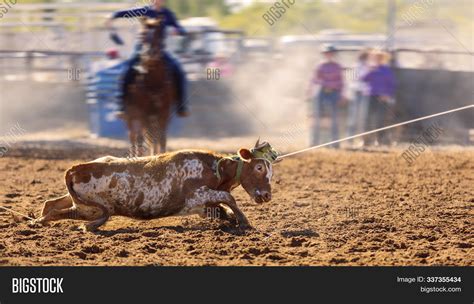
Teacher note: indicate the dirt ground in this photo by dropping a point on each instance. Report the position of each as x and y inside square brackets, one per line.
[329, 208]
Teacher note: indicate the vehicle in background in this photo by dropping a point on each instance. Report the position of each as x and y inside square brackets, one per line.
[203, 44]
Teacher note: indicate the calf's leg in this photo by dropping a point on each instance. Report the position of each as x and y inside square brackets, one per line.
[97, 217]
[59, 203]
[241, 218]
[204, 198]
[219, 211]
[75, 212]
[92, 226]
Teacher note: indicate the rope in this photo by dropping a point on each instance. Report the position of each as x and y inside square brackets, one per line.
[16, 212]
[375, 131]
[238, 173]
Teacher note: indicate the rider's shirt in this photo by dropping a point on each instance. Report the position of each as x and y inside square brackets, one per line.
[169, 19]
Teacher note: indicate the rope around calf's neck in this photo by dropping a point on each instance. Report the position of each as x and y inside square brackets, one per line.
[240, 165]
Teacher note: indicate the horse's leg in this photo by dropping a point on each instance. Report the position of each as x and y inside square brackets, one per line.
[132, 136]
[150, 136]
[154, 132]
[164, 118]
[163, 139]
[136, 137]
[161, 132]
[156, 148]
[140, 141]
[151, 142]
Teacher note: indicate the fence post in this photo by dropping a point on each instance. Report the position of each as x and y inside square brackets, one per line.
[29, 64]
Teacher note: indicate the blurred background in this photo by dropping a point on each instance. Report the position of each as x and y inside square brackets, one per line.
[57, 83]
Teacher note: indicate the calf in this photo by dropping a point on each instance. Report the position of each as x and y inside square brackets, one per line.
[171, 184]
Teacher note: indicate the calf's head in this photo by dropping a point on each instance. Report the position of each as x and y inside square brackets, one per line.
[256, 176]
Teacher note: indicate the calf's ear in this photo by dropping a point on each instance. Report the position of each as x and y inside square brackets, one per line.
[245, 154]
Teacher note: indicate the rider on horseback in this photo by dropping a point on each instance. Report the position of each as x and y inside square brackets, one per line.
[157, 10]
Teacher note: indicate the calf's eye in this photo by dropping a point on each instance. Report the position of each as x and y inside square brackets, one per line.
[259, 168]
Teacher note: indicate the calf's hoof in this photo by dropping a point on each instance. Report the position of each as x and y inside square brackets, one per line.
[245, 226]
[226, 215]
[37, 223]
[88, 228]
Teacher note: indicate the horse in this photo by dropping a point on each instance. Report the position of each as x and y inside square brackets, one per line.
[151, 96]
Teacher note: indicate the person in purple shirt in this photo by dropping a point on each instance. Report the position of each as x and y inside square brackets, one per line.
[157, 10]
[329, 78]
[381, 82]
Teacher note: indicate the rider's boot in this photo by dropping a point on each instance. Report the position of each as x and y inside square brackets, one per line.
[120, 114]
[182, 107]
[183, 111]
[128, 79]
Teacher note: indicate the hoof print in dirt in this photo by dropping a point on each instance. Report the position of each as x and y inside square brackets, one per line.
[12, 195]
[26, 232]
[94, 249]
[80, 255]
[123, 254]
[338, 260]
[297, 242]
[296, 233]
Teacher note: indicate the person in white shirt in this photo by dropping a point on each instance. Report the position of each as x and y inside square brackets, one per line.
[359, 105]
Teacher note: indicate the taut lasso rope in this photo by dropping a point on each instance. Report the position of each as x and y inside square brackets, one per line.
[375, 131]
[16, 212]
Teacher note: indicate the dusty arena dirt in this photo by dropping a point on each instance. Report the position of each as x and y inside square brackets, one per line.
[329, 208]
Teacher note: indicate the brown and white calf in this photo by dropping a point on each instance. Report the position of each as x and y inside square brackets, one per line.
[171, 184]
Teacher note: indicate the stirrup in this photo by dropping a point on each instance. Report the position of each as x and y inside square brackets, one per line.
[183, 113]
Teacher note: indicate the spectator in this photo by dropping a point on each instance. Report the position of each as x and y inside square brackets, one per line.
[359, 106]
[328, 76]
[381, 83]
